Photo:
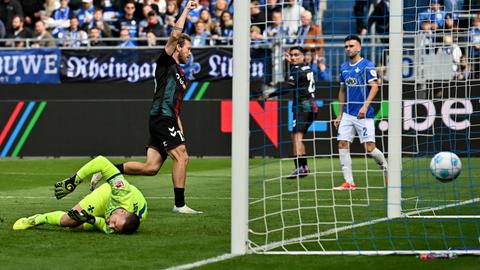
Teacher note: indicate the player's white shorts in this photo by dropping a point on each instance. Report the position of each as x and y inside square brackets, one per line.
[350, 124]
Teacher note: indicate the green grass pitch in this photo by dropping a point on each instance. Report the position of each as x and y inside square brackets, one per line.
[167, 240]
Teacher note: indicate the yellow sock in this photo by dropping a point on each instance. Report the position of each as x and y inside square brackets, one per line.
[50, 218]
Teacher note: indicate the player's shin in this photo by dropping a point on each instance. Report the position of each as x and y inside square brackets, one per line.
[379, 158]
[53, 218]
[346, 163]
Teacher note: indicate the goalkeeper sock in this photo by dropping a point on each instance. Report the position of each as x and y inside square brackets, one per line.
[52, 218]
[379, 158]
[346, 163]
[120, 168]
[179, 196]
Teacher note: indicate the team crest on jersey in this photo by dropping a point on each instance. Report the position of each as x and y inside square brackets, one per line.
[357, 70]
[351, 81]
[119, 184]
[373, 73]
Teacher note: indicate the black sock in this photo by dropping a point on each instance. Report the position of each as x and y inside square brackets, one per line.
[120, 168]
[179, 196]
[296, 162]
[302, 161]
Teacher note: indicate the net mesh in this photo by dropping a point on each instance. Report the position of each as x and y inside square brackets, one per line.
[441, 112]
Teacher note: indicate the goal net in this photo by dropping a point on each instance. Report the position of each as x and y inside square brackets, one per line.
[434, 80]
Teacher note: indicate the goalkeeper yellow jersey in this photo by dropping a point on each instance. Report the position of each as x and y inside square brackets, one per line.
[126, 196]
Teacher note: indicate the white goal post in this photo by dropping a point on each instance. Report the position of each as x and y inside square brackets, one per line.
[240, 127]
[395, 111]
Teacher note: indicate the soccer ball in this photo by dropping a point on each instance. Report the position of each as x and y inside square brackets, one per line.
[445, 166]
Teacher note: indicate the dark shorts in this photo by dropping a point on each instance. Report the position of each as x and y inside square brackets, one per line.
[164, 135]
[302, 121]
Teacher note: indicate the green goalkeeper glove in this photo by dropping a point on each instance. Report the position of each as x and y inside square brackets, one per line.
[81, 217]
[65, 187]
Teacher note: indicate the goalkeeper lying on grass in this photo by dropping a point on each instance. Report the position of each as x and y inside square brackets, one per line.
[114, 207]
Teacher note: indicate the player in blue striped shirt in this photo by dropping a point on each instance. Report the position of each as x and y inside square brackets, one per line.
[358, 88]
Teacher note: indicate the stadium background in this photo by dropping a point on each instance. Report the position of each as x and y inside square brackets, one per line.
[73, 116]
[80, 119]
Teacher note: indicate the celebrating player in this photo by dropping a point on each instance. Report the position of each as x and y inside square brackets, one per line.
[114, 207]
[166, 131]
[358, 87]
[301, 83]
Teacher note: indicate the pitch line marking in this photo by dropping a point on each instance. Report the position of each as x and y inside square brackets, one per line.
[203, 262]
[266, 248]
[190, 198]
[206, 198]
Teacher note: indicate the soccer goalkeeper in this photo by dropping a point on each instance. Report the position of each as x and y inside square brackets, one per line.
[114, 207]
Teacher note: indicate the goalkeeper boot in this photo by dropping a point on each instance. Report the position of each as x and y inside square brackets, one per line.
[24, 223]
[346, 186]
[185, 210]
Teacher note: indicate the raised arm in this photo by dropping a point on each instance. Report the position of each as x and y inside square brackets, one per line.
[286, 86]
[178, 28]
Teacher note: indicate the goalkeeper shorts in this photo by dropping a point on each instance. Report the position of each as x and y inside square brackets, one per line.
[95, 203]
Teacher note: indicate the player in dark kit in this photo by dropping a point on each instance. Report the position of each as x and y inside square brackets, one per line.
[301, 84]
[166, 131]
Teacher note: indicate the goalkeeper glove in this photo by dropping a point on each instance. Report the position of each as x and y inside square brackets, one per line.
[81, 217]
[65, 187]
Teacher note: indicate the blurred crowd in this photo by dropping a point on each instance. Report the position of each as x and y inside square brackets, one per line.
[129, 23]
[450, 28]
[445, 29]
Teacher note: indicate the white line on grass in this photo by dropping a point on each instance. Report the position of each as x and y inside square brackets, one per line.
[31, 174]
[203, 262]
[282, 243]
[191, 174]
[265, 248]
[190, 198]
[218, 198]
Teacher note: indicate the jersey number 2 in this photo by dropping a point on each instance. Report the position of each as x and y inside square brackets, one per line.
[311, 81]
